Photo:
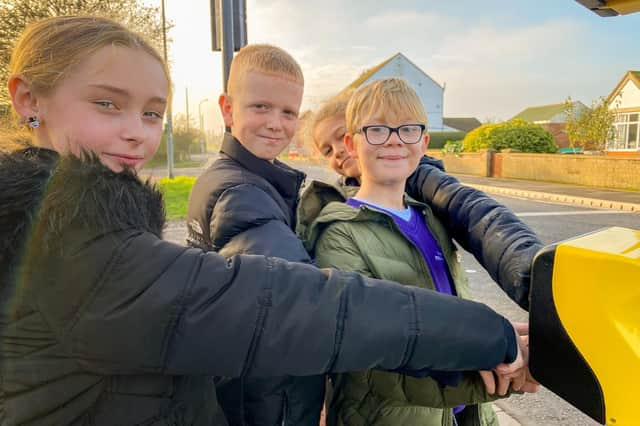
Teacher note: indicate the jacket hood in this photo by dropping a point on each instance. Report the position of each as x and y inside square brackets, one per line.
[314, 198]
[425, 160]
[44, 195]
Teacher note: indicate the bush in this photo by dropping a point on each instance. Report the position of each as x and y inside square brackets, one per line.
[184, 143]
[518, 135]
[453, 147]
[437, 140]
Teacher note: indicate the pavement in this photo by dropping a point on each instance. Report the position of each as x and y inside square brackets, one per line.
[584, 196]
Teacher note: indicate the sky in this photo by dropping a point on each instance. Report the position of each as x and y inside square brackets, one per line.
[496, 57]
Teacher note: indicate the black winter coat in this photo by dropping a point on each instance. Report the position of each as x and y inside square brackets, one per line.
[497, 238]
[246, 205]
[104, 323]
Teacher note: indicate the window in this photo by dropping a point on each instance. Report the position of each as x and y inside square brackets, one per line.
[626, 131]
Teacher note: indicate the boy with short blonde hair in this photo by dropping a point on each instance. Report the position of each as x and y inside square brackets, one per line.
[263, 58]
[382, 233]
[497, 238]
[390, 97]
[246, 203]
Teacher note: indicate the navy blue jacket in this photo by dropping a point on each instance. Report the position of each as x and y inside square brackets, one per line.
[502, 243]
[246, 205]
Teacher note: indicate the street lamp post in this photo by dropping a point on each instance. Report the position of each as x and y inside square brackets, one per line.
[202, 138]
[169, 127]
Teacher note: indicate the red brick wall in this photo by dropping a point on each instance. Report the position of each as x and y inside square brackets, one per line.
[558, 133]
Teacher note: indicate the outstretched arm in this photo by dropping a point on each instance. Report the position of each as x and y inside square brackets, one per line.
[501, 242]
[140, 304]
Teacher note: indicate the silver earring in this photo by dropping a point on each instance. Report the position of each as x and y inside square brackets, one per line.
[33, 122]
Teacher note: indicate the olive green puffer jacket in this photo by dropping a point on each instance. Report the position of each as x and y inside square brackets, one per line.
[368, 241]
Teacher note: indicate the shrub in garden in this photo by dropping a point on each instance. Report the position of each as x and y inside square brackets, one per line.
[478, 138]
[518, 135]
[453, 147]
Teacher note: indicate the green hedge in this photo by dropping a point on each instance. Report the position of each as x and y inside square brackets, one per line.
[438, 139]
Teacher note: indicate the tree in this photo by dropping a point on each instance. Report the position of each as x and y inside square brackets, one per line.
[589, 128]
[16, 14]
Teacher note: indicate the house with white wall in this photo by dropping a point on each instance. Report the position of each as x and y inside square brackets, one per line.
[430, 92]
[625, 102]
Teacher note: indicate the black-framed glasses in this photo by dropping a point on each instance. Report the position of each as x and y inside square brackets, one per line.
[379, 134]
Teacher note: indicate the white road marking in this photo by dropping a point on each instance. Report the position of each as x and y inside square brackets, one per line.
[575, 212]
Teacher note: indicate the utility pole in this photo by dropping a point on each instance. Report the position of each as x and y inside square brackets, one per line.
[168, 126]
[186, 90]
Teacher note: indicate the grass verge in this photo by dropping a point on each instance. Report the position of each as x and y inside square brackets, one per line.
[176, 195]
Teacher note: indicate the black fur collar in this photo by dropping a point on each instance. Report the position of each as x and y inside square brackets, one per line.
[44, 193]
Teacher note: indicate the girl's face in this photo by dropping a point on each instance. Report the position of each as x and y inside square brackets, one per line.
[329, 138]
[111, 104]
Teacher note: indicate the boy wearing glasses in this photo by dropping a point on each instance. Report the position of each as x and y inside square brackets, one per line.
[382, 233]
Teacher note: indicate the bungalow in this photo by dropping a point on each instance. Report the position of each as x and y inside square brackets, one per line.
[552, 117]
[430, 92]
[625, 102]
[462, 124]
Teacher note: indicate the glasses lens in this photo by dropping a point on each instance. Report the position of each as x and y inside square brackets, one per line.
[377, 135]
[410, 133]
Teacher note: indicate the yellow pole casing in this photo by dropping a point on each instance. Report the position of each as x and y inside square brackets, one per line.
[596, 291]
[623, 7]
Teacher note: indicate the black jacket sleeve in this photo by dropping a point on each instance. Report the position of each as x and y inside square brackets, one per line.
[138, 304]
[246, 220]
[501, 242]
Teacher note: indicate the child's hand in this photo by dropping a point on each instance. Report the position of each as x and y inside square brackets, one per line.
[489, 381]
[516, 374]
[522, 359]
[494, 382]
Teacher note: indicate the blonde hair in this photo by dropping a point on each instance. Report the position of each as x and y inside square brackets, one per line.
[332, 107]
[392, 96]
[263, 58]
[49, 48]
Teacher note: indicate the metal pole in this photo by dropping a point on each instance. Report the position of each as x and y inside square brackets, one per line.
[202, 138]
[227, 42]
[168, 126]
[227, 39]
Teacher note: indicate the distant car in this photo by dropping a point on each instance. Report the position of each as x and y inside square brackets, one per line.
[570, 150]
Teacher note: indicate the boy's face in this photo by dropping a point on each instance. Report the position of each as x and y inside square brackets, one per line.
[263, 113]
[329, 139]
[391, 162]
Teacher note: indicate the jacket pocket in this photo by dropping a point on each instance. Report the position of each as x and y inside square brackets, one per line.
[409, 416]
